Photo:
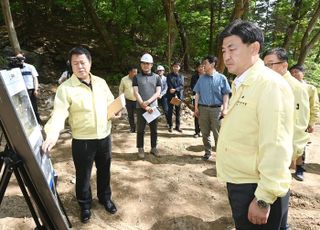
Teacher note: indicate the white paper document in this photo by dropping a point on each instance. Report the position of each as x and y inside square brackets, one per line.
[151, 116]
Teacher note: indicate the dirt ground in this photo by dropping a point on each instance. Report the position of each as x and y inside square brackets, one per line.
[175, 191]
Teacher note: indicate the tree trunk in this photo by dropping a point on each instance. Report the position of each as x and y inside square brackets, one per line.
[293, 25]
[304, 52]
[241, 8]
[100, 27]
[211, 27]
[305, 45]
[184, 42]
[10, 26]
[218, 22]
[168, 7]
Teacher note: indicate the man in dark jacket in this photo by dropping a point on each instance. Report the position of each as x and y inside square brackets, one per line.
[175, 82]
[199, 71]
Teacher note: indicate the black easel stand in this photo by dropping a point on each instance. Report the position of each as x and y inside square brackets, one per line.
[10, 162]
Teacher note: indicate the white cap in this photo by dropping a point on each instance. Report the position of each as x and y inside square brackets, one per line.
[160, 67]
[146, 58]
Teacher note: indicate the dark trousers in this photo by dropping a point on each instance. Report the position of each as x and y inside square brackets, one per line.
[131, 108]
[170, 112]
[240, 197]
[196, 125]
[141, 125]
[196, 122]
[33, 100]
[84, 153]
[163, 101]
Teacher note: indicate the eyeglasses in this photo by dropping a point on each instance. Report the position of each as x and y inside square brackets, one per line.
[270, 65]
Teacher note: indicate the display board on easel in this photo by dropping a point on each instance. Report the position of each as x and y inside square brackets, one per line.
[25, 138]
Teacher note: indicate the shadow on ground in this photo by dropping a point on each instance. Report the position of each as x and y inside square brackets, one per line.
[162, 159]
[14, 206]
[313, 168]
[211, 172]
[191, 222]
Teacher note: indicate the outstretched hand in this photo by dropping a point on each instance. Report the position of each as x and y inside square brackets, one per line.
[48, 144]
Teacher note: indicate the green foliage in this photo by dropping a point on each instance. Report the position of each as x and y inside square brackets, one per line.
[138, 26]
[312, 74]
[114, 79]
[3, 62]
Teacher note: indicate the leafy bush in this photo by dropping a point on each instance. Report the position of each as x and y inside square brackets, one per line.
[114, 79]
[3, 62]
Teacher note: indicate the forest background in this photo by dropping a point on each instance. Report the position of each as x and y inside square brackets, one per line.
[178, 190]
[118, 32]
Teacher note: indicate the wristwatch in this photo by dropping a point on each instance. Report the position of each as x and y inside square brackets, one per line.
[262, 204]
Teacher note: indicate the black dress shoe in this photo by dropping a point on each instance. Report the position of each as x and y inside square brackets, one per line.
[132, 130]
[109, 206]
[85, 215]
[178, 130]
[206, 157]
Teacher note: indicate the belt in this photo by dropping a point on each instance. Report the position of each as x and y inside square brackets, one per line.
[211, 106]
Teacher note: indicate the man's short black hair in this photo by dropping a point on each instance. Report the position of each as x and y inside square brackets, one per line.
[79, 51]
[175, 63]
[211, 59]
[281, 54]
[197, 64]
[247, 31]
[298, 67]
[130, 68]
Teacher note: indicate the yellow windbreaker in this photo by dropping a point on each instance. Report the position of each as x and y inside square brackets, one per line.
[86, 109]
[126, 88]
[255, 139]
[313, 103]
[301, 115]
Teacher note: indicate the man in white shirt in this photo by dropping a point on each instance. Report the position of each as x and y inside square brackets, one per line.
[30, 77]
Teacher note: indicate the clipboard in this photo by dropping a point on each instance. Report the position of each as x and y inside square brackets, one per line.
[175, 101]
[116, 106]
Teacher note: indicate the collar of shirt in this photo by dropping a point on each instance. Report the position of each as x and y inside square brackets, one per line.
[87, 84]
[146, 74]
[174, 74]
[240, 79]
[212, 74]
[76, 81]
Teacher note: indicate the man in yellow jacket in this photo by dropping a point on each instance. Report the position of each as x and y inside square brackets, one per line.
[298, 71]
[277, 60]
[126, 88]
[84, 98]
[255, 143]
